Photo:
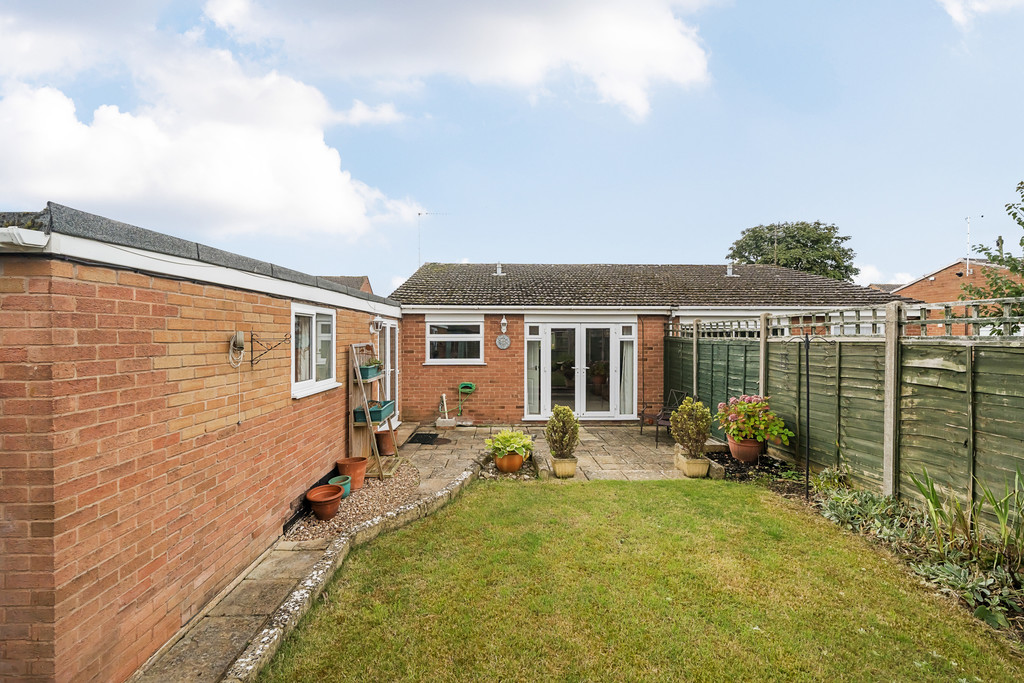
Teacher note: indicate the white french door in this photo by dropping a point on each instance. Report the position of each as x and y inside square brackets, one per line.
[389, 354]
[588, 367]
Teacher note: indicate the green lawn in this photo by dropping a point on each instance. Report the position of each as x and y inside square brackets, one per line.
[670, 580]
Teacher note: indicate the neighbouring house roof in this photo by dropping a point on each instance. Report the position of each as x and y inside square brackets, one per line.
[888, 287]
[360, 282]
[476, 284]
[984, 263]
[64, 220]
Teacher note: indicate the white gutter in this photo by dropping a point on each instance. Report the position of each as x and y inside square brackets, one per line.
[12, 239]
[22, 239]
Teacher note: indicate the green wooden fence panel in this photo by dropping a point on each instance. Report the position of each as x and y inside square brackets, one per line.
[998, 416]
[934, 425]
[861, 409]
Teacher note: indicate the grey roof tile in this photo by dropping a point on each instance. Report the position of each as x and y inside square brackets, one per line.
[475, 284]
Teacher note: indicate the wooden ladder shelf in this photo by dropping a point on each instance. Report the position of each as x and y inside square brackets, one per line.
[378, 467]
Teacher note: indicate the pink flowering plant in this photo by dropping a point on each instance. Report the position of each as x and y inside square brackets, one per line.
[749, 417]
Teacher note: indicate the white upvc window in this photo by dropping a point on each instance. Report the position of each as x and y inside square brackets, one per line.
[455, 342]
[314, 350]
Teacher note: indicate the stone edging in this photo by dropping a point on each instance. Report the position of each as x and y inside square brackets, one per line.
[263, 647]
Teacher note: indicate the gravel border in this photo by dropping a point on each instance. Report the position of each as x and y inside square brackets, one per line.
[266, 643]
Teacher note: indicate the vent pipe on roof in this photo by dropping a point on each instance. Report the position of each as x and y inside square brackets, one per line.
[498, 270]
[728, 271]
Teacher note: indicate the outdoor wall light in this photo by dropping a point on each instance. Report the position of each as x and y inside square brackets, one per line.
[376, 324]
[504, 325]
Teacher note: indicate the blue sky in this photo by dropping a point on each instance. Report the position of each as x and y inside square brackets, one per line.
[358, 138]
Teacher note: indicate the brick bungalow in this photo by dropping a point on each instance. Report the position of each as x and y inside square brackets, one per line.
[144, 462]
[532, 336]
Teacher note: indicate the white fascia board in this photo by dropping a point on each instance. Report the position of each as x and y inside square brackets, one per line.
[535, 310]
[162, 264]
[607, 317]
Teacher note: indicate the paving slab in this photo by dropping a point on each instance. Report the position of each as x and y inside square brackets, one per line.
[206, 652]
[286, 564]
[605, 475]
[254, 597]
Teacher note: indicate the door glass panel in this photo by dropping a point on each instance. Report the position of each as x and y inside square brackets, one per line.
[563, 367]
[598, 357]
[392, 364]
[626, 381]
[533, 377]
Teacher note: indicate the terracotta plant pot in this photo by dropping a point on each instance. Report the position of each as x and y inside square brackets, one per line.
[745, 450]
[345, 482]
[385, 444]
[563, 468]
[324, 500]
[509, 463]
[355, 468]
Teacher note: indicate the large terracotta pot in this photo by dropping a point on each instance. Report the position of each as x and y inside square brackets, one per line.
[355, 468]
[324, 500]
[509, 463]
[385, 444]
[745, 450]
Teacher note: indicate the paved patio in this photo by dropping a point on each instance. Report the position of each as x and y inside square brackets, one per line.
[609, 451]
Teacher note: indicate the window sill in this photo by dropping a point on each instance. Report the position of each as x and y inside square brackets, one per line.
[454, 362]
[308, 390]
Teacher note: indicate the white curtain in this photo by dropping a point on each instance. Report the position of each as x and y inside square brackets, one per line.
[626, 377]
[303, 332]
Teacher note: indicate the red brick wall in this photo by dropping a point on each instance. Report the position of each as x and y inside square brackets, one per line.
[130, 496]
[651, 362]
[946, 286]
[500, 384]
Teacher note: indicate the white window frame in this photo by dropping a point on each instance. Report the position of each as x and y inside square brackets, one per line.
[453, 320]
[312, 385]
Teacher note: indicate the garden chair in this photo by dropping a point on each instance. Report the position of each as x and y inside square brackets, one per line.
[659, 414]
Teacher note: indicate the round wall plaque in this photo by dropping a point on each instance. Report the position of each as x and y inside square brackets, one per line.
[503, 341]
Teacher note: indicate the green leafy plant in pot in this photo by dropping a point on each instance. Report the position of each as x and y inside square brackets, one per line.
[563, 435]
[510, 447]
[748, 422]
[690, 426]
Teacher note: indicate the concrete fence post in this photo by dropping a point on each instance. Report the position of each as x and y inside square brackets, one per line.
[890, 416]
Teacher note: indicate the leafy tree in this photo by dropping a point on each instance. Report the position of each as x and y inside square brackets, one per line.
[811, 247]
[1003, 282]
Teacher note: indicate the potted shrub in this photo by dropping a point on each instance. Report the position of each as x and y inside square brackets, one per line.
[599, 372]
[563, 435]
[748, 422]
[690, 426]
[509, 448]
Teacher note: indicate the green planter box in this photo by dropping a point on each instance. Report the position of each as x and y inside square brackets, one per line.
[370, 372]
[377, 414]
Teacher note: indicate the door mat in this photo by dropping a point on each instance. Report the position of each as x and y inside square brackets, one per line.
[425, 438]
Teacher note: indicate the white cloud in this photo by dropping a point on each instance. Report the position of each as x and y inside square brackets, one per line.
[963, 11]
[870, 274]
[361, 113]
[211, 148]
[622, 49]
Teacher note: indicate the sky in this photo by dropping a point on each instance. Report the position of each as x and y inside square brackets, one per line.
[363, 138]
